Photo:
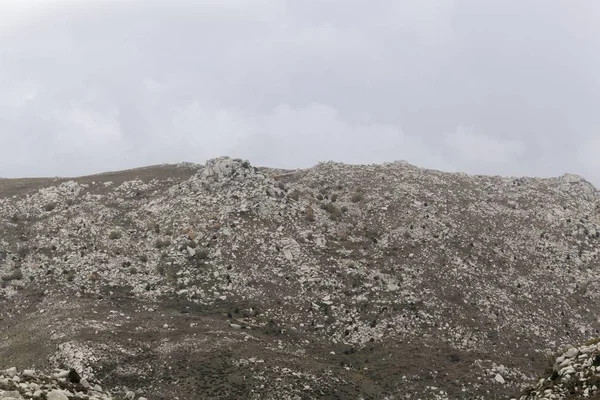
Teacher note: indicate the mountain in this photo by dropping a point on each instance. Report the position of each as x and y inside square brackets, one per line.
[228, 281]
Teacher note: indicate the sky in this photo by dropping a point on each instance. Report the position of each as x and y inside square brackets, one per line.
[501, 87]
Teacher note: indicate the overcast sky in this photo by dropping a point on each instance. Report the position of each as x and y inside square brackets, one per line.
[492, 87]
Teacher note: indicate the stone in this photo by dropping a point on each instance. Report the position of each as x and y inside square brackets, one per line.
[223, 167]
[567, 370]
[73, 376]
[191, 252]
[572, 352]
[288, 254]
[498, 378]
[61, 374]
[29, 373]
[291, 249]
[13, 394]
[56, 395]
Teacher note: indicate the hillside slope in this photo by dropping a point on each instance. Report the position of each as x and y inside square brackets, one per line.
[228, 281]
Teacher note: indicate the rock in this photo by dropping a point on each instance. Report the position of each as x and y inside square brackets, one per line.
[571, 366]
[29, 373]
[61, 374]
[572, 352]
[223, 167]
[291, 249]
[13, 394]
[191, 252]
[498, 378]
[130, 395]
[568, 370]
[571, 178]
[56, 395]
[73, 376]
[288, 254]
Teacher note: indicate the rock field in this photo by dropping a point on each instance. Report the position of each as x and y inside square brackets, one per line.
[228, 281]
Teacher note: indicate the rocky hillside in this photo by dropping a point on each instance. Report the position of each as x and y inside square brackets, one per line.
[228, 281]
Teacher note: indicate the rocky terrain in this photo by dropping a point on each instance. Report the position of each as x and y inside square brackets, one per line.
[574, 374]
[228, 281]
[62, 385]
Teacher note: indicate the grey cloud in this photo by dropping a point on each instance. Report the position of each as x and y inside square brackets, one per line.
[97, 85]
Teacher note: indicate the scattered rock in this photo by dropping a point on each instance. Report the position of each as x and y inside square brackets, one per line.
[359, 265]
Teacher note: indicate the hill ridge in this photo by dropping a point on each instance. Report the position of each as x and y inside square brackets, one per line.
[372, 281]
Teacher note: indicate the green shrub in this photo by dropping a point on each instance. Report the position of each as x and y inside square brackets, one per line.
[334, 212]
[310, 214]
[294, 195]
[15, 275]
[23, 251]
[70, 275]
[592, 341]
[202, 254]
[160, 243]
[331, 208]
[50, 206]
[356, 197]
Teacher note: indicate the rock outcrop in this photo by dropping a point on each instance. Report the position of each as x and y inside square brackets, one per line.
[574, 374]
[62, 385]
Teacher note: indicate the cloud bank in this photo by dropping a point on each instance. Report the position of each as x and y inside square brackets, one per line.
[506, 88]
